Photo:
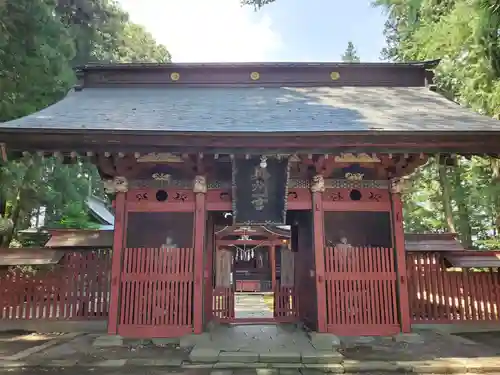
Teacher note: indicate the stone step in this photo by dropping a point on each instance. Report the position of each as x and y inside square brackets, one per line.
[205, 355]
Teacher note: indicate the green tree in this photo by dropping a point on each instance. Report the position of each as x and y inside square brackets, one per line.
[40, 42]
[465, 36]
[350, 54]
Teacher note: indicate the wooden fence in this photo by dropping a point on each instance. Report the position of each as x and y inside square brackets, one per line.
[77, 288]
[444, 295]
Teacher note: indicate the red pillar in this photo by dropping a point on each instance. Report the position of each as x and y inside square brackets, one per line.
[272, 262]
[399, 243]
[118, 242]
[200, 217]
[319, 258]
[208, 274]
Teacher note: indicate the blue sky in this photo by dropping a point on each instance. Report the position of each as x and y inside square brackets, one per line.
[288, 30]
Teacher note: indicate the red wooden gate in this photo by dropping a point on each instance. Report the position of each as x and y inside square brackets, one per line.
[223, 304]
[361, 292]
[156, 292]
[285, 304]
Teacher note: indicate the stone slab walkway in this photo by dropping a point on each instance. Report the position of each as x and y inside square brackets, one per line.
[138, 371]
[267, 349]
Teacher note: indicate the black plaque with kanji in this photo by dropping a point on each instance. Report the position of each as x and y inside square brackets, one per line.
[259, 194]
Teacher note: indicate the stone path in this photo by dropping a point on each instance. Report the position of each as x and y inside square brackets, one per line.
[251, 306]
[265, 350]
[283, 346]
[139, 371]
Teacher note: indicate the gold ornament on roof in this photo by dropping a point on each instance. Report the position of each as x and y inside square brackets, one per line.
[334, 76]
[175, 76]
[254, 76]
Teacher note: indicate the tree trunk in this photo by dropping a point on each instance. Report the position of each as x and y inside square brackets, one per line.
[495, 182]
[16, 209]
[446, 197]
[460, 196]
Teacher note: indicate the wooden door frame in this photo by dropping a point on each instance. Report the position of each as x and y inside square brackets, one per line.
[398, 236]
[267, 244]
[137, 200]
[116, 261]
[391, 204]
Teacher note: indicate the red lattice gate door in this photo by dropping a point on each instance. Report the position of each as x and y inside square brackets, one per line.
[223, 294]
[156, 292]
[361, 291]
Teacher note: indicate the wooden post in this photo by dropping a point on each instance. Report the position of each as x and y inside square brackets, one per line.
[400, 254]
[200, 217]
[317, 189]
[116, 260]
[272, 261]
[209, 266]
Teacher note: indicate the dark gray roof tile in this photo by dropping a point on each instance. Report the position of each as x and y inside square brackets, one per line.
[251, 109]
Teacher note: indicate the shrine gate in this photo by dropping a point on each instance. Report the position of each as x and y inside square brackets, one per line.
[319, 151]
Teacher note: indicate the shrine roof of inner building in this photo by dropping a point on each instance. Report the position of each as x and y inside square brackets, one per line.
[248, 108]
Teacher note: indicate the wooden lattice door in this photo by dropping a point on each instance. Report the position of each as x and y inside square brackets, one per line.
[285, 297]
[361, 291]
[223, 295]
[156, 292]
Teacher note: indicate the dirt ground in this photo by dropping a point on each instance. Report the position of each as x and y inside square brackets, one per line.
[82, 350]
[491, 339]
[433, 346]
[12, 342]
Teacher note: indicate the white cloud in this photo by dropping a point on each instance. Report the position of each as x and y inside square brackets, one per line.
[207, 30]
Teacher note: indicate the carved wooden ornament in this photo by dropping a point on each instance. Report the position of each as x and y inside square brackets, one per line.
[354, 176]
[400, 186]
[119, 184]
[161, 157]
[359, 158]
[200, 184]
[318, 184]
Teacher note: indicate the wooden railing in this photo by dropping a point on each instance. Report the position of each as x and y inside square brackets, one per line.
[441, 295]
[77, 288]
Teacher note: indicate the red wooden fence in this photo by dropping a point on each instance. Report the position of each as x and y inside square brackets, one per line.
[439, 295]
[156, 292]
[361, 291]
[77, 288]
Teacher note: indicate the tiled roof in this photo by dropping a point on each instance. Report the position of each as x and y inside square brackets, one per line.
[253, 109]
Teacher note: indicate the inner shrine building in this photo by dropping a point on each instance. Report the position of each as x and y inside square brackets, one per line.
[302, 163]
